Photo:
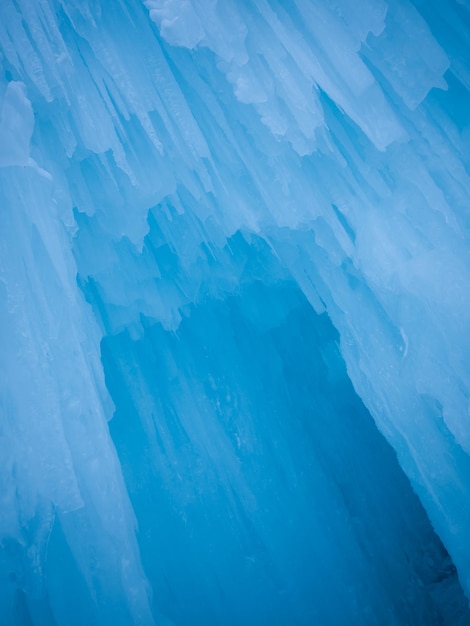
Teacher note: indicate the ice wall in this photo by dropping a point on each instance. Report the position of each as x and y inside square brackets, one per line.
[143, 148]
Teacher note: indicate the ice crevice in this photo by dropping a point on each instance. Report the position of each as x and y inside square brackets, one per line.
[235, 312]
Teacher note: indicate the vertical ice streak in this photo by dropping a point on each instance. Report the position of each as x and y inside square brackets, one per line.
[59, 466]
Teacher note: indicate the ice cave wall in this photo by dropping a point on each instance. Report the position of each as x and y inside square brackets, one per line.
[142, 145]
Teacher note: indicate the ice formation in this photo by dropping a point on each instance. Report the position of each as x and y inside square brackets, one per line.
[235, 312]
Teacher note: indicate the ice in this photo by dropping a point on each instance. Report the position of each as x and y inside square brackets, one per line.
[16, 126]
[235, 312]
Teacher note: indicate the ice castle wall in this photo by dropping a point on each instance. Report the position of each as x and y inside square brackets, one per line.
[139, 142]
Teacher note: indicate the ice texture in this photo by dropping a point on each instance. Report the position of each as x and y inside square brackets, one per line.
[234, 312]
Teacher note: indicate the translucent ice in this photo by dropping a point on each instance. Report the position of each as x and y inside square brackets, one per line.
[235, 312]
